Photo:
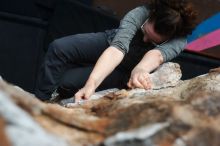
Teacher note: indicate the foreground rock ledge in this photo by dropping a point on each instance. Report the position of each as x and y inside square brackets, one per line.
[175, 113]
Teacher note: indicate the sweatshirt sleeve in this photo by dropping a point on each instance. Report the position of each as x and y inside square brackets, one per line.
[172, 48]
[129, 25]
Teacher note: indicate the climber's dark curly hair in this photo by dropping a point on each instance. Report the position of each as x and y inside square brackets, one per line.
[172, 17]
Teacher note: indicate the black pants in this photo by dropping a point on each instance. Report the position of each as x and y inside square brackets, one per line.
[69, 62]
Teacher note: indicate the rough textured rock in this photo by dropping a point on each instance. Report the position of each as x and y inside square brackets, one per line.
[181, 113]
[3, 136]
[168, 75]
[22, 129]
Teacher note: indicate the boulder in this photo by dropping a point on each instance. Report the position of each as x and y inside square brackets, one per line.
[172, 113]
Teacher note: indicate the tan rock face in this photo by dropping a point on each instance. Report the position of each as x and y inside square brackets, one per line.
[3, 137]
[173, 113]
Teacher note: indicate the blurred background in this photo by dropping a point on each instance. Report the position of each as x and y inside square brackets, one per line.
[28, 26]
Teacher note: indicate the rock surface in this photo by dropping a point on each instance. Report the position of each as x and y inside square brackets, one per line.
[173, 113]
